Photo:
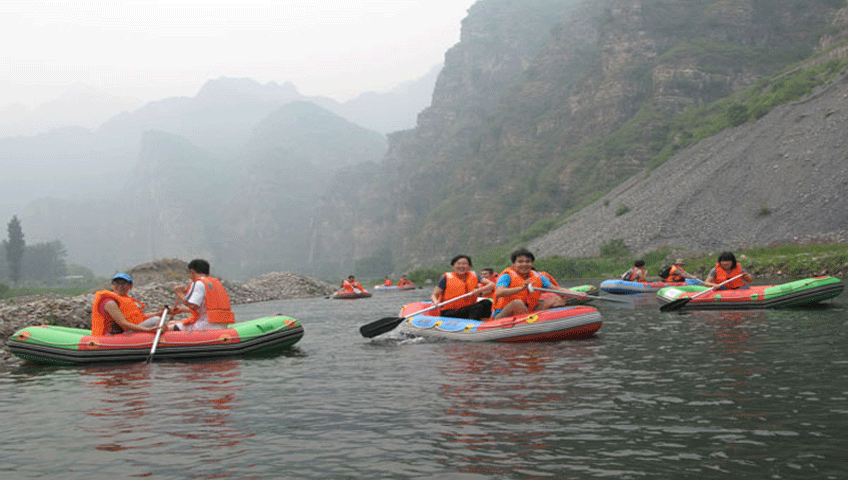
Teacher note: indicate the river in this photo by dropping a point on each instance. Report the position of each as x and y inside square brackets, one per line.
[748, 394]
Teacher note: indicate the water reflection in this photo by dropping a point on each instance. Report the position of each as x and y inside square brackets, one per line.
[162, 407]
[504, 400]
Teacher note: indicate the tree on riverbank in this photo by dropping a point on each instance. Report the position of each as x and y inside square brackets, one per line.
[15, 247]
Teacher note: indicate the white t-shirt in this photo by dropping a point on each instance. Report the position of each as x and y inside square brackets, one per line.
[197, 296]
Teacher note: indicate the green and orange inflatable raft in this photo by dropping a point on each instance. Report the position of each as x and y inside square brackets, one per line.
[797, 293]
[68, 346]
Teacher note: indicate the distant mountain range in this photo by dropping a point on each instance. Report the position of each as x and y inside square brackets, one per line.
[68, 153]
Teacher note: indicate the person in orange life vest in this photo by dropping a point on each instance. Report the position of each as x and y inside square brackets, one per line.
[727, 268]
[513, 296]
[403, 282]
[116, 312]
[490, 275]
[460, 281]
[387, 282]
[351, 286]
[549, 277]
[205, 299]
[637, 273]
[677, 274]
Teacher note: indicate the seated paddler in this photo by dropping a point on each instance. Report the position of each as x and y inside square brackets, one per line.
[114, 311]
[513, 295]
[461, 281]
[204, 299]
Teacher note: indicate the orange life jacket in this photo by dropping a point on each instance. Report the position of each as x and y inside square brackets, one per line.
[550, 278]
[455, 287]
[721, 276]
[673, 276]
[631, 276]
[103, 324]
[217, 303]
[516, 280]
[352, 287]
[387, 283]
[403, 282]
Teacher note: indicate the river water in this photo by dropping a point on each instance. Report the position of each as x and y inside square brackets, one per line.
[750, 394]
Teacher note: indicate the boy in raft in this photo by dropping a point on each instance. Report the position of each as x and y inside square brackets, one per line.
[403, 282]
[387, 282]
[489, 274]
[637, 273]
[116, 312]
[460, 282]
[727, 268]
[205, 299]
[513, 296]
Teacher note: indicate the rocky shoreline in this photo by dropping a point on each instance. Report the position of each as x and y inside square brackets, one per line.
[153, 285]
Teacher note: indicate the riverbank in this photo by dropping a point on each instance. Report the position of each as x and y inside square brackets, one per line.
[154, 286]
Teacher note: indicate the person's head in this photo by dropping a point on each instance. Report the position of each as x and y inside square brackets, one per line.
[199, 266]
[403, 276]
[727, 260]
[522, 261]
[680, 262]
[122, 283]
[461, 259]
[487, 273]
[351, 278]
[639, 263]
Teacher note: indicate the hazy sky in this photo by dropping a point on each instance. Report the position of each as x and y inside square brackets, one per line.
[152, 49]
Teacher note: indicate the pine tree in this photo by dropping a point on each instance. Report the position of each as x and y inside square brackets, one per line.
[15, 247]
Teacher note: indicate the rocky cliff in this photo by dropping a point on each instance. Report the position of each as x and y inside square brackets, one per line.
[779, 180]
[545, 105]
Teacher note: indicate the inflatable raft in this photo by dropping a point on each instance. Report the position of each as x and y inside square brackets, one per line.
[626, 287]
[792, 294]
[547, 325]
[66, 346]
[349, 296]
[393, 288]
[573, 300]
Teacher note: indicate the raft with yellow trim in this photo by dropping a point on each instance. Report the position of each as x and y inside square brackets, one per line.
[544, 326]
[68, 346]
[797, 293]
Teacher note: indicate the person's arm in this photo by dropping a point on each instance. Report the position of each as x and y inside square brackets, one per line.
[504, 290]
[486, 287]
[117, 315]
[710, 280]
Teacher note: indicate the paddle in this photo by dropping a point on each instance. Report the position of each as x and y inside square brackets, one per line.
[158, 334]
[386, 324]
[531, 288]
[680, 302]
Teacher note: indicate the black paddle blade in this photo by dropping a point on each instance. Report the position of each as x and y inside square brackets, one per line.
[675, 305]
[380, 327]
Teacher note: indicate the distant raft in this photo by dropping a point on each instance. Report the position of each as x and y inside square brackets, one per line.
[572, 299]
[68, 346]
[393, 288]
[792, 294]
[350, 295]
[544, 326]
[626, 287]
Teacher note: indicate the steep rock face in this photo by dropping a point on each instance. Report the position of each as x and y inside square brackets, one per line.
[779, 180]
[517, 131]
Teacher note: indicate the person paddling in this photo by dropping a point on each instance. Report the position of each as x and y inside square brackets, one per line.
[115, 311]
[727, 268]
[514, 295]
[637, 273]
[461, 281]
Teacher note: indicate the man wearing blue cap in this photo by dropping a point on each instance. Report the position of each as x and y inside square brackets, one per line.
[116, 312]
